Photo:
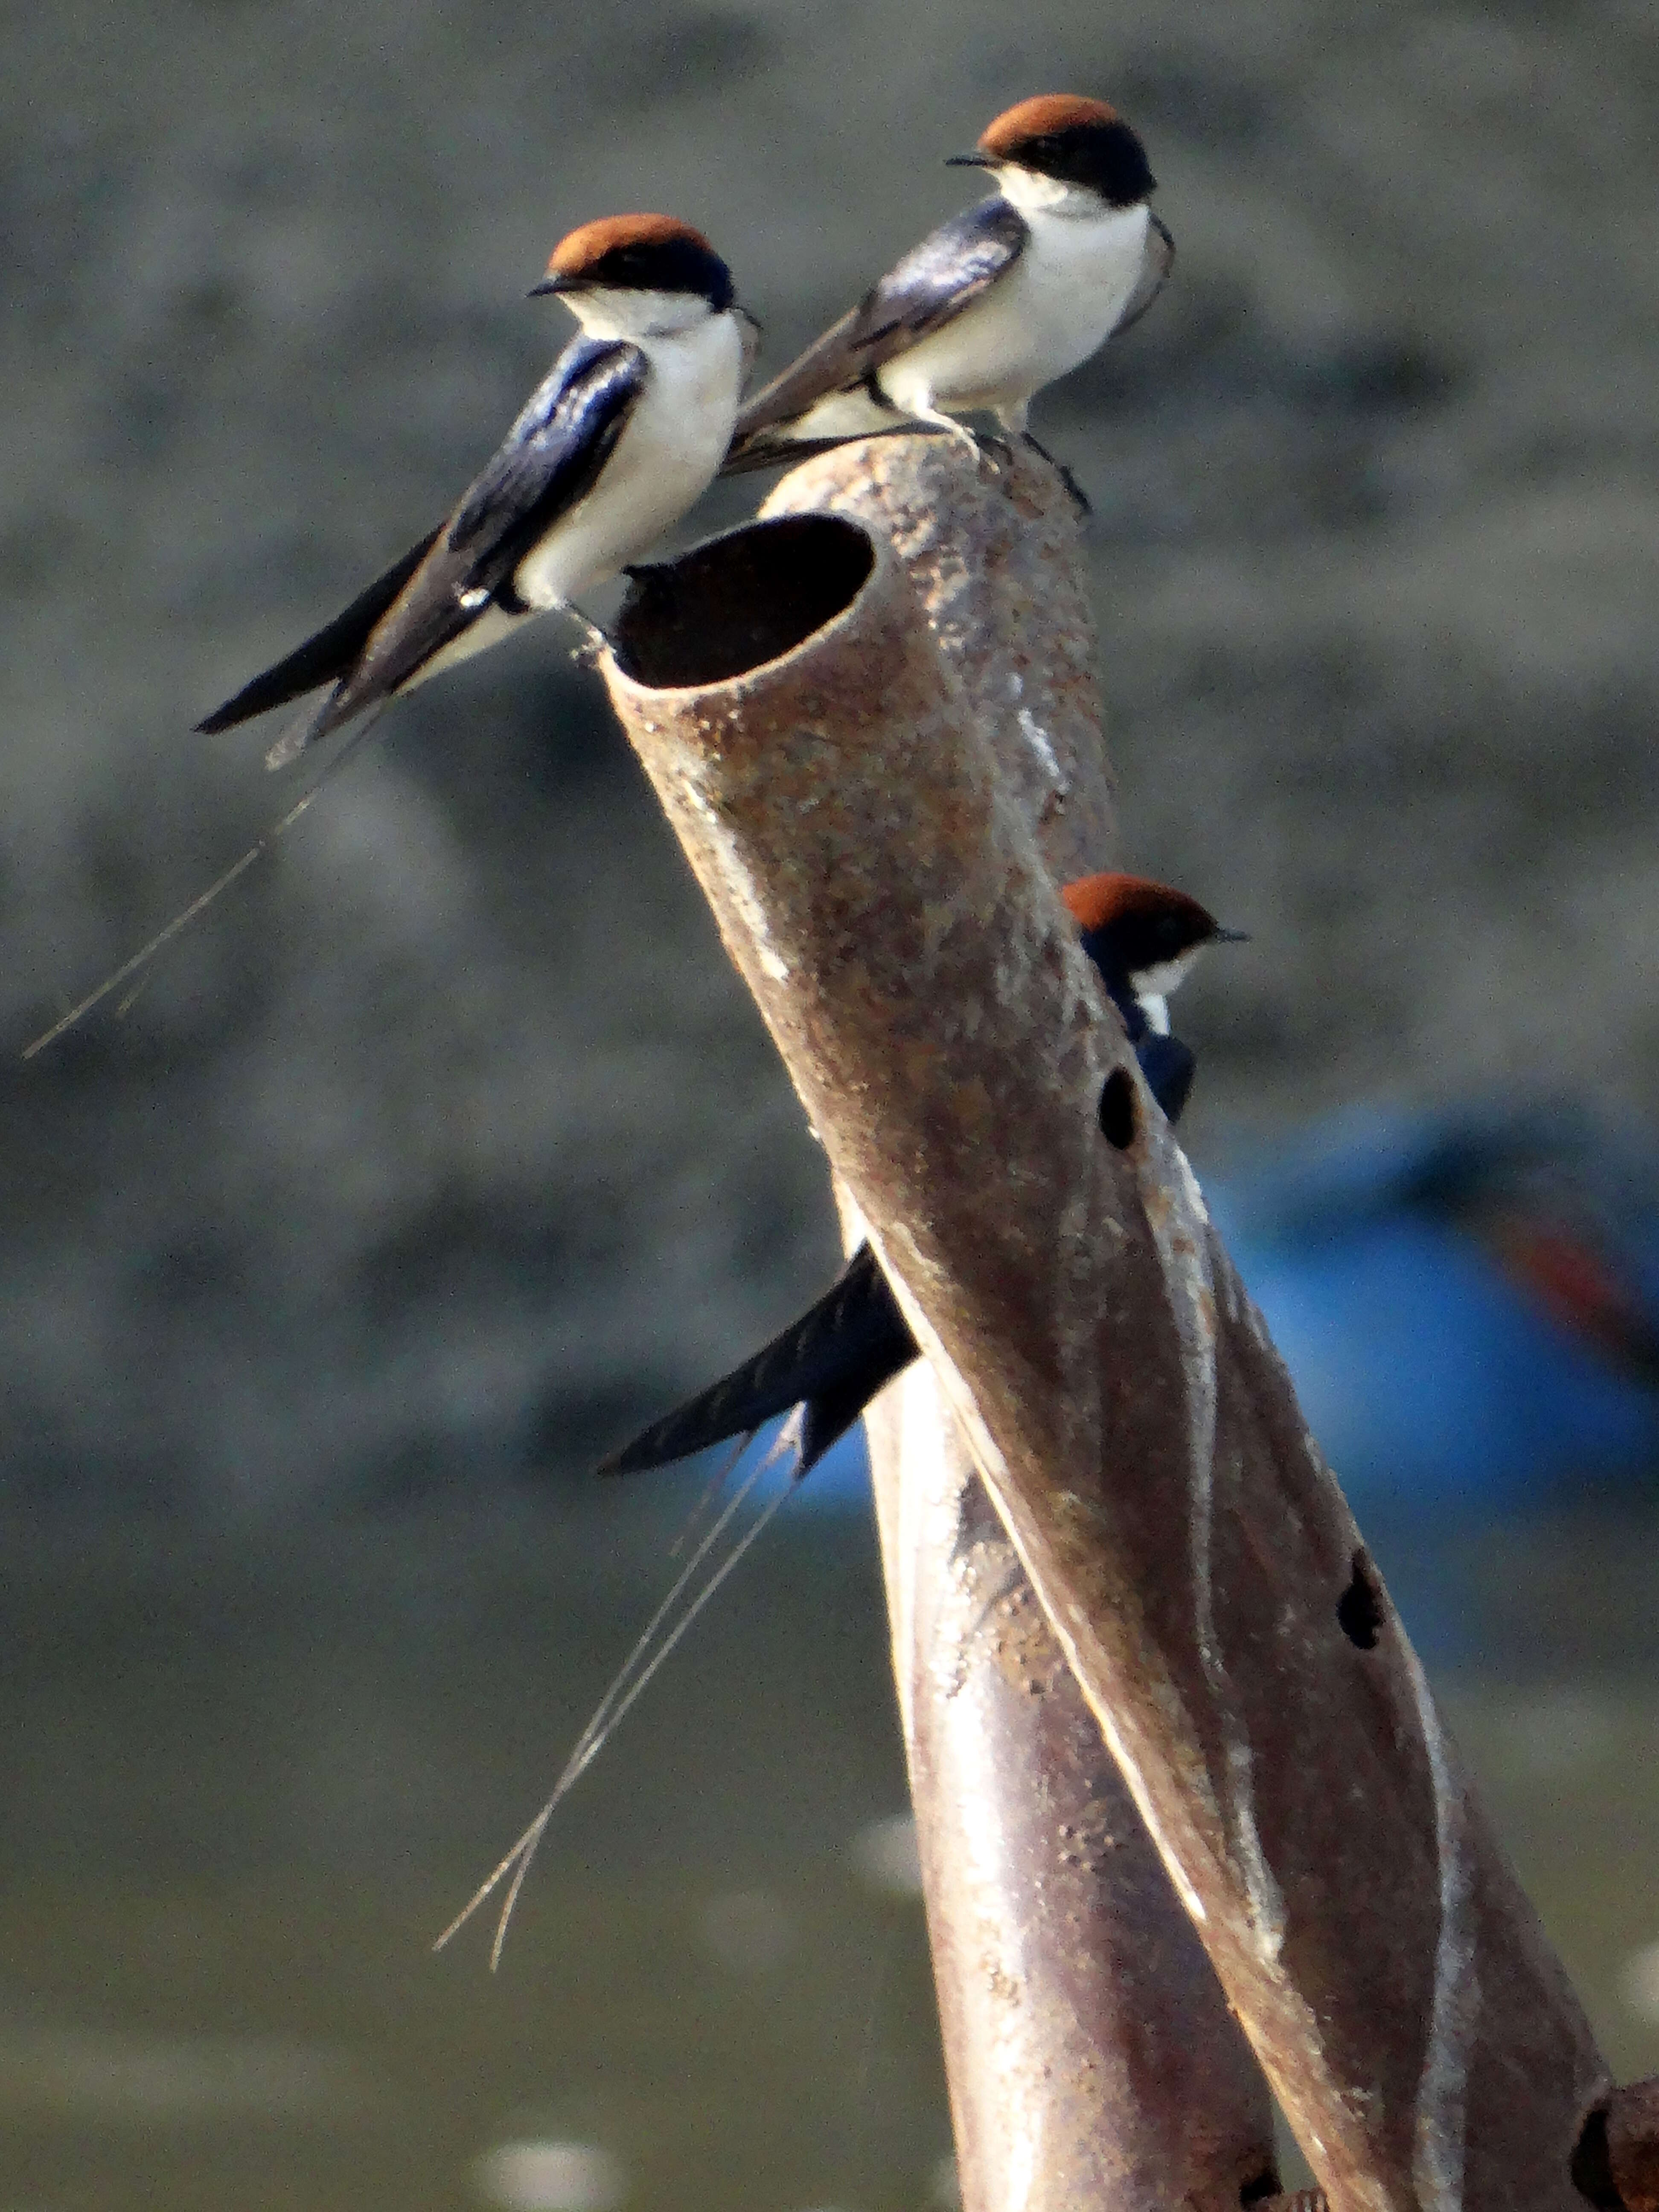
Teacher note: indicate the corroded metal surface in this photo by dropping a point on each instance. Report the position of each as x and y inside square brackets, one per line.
[891, 912]
[995, 559]
[1091, 2056]
[1633, 2128]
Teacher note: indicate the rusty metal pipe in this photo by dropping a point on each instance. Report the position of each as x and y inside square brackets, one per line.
[887, 903]
[1079, 2011]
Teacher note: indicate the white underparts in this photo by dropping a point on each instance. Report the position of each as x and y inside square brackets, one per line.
[672, 444]
[1049, 311]
[1046, 312]
[670, 447]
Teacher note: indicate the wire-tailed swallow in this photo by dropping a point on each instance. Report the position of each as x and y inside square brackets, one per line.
[832, 1362]
[625, 432]
[1143, 939]
[994, 304]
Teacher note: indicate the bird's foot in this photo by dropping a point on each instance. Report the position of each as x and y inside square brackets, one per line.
[594, 643]
[1080, 498]
[994, 454]
[990, 454]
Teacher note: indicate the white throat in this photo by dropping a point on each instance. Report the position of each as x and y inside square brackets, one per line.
[623, 314]
[1154, 986]
[1033, 193]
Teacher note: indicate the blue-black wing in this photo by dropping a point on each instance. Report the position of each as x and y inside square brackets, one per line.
[1169, 1067]
[934, 281]
[550, 458]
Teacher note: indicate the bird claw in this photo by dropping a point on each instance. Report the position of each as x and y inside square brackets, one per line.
[593, 647]
[1078, 498]
[992, 454]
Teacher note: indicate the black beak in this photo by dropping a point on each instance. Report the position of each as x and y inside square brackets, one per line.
[969, 161]
[552, 284]
[1232, 937]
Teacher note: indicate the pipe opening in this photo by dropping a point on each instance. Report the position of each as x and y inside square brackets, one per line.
[731, 605]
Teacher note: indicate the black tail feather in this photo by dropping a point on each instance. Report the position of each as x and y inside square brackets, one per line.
[763, 453]
[760, 451]
[838, 1354]
[324, 658]
[844, 1349]
[829, 1414]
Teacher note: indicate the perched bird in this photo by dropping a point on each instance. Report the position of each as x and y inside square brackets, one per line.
[625, 432]
[994, 304]
[1142, 938]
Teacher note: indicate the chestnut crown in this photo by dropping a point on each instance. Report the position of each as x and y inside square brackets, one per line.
[639, 253]
[1073, 140]
[1131, 926]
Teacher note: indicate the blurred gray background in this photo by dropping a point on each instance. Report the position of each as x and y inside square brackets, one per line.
[447, 1146]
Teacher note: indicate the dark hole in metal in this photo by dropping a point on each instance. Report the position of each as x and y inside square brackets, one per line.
[1591, 2168]
[1265, 2185]
[1117, 1110]
[731, 605]
[1359, 1608]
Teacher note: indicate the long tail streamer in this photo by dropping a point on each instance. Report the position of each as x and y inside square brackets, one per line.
[261, 845]
[654, 1646]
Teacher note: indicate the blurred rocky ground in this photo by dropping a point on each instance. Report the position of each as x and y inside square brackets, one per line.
[448, 1144]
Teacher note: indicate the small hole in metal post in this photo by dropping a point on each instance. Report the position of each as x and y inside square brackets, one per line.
[1359, 1608]
[1117, 1110]
[1265, 2183]
[1591, 2169]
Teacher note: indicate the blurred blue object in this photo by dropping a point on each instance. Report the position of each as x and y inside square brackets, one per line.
[1468, 1300]
[839, 1483]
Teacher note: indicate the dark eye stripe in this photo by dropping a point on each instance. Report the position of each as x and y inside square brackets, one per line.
[679, 265]
[1107, 156]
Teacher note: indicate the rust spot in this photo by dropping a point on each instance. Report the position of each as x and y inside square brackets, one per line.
[1027, 1657]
